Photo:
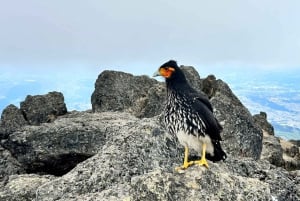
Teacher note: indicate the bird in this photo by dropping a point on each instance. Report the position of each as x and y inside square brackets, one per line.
[188, 115]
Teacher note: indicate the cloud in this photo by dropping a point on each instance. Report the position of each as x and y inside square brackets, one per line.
[111, 33]
[29, 80]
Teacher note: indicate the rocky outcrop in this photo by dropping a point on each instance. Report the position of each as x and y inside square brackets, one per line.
[11, 120]
[295, 142]
[43, 108]
[272, 149]
[117, 91]
[238, 179]
[242, 136]
[291, 155]
[23, 187]
[276, 150]
[8, 165]
[114, 153]
[56, 148]
[135, 160]
[34, 111]
[261, 120]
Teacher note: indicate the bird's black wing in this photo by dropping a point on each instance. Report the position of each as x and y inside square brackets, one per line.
[195, 95]
[204, 114]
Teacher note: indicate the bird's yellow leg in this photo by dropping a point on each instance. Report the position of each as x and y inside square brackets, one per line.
[202, 161]
[186, 164]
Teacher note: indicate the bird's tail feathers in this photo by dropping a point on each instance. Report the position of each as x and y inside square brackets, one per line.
[219, 154]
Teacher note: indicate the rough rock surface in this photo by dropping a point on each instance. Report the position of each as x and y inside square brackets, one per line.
[291, 155]
[23, 187]
[261, 120]
[43, 108]
[56, 148]
[136, 161]
[118, 91]
[277, 151]
[11, 120]
[296, 142]
[237, 179]
[242, 136]
[8, 165]
[272, 150]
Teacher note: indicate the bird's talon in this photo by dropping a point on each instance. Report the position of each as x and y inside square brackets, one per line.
[185, 166]
[202, 162]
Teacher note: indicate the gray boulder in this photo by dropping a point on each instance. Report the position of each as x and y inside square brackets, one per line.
[23, 187]
[118, 91]
[11, 120]
[43, 108]
[295, 142]
[133, 159]
[261, 120]
[240, 134]
[272, 149]
[56, 148]
[116, 154]
[8, 165]
[130, 147]
[145, 97]
[136, 162]
[237, 179]
[291, 155]
[277, 151]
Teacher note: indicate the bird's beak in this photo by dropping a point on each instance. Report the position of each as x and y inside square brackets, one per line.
[157, 73]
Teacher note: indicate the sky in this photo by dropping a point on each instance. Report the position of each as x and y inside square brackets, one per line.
[136, 35]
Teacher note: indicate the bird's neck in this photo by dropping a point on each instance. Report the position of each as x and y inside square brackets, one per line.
[177, 86]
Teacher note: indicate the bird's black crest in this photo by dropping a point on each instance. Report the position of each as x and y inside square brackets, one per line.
[171, 63]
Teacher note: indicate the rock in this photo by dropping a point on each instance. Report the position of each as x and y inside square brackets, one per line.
[11, 120]
[277, 151]
[132, 147]
[119, 155]
[145, 97]
[139, 95]
[56, 148]
[118, 91]
[134, 159]
[43, 108]
[272, 149]
[295, 142]
[240, 134]
[8, 165]
[23, 187]
[261, 120]
[137, 160]
[291, 155]
[209, 86]
[248, 180]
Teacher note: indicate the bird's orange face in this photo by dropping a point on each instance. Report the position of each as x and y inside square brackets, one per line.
[166, 71]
